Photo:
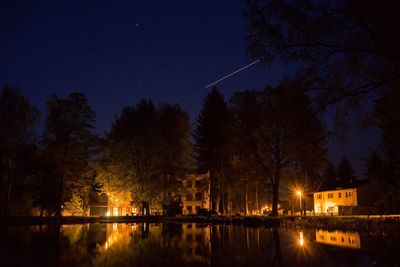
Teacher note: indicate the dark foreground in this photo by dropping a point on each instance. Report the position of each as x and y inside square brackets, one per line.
[192, 244]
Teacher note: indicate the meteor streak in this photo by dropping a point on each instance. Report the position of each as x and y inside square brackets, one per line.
[233, 73]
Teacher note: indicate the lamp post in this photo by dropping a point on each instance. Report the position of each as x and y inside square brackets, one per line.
[299, 194]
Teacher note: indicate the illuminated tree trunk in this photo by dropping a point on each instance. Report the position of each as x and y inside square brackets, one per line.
[257, 207]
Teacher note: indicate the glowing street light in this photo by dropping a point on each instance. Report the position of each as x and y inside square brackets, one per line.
[301, 239]
[299, 194]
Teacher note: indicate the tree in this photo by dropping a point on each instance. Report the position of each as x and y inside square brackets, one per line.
[345, 174]
[387, 118]
[146, 151]
[176, 151]
[329, 176]
[285, 134]
[69, 144]
[348, 48]
[243, 106]
[376, 167]
[17, 120]
[212, 142]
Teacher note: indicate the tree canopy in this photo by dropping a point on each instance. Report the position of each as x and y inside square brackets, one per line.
[68, 144]
[347, 49]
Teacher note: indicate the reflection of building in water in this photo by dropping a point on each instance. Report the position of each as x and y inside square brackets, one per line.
[339, 239]
[196, 243]
[118, 233]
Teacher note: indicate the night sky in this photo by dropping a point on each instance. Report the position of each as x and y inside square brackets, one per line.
[117, 52]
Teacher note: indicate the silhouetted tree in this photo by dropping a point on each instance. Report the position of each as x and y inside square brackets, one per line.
[68, 144]
[176, 151]
[329, 176]
[146, 151]
[347, 48]
[284, 132]
[244, 162]
[212, 136]
[345, 174]
[387, 118]
[376, 167]
[17, 120]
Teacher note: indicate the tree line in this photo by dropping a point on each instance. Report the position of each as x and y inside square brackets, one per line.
[254, 144]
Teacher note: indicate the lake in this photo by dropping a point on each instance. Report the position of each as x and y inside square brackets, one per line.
[191, 244]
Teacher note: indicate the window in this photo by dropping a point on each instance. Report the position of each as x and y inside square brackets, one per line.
[189, 209]
[349, 194]
[330, 195]
[319, 196]
[189, 196]
[198, 196]
[339, 195]
[198, 184]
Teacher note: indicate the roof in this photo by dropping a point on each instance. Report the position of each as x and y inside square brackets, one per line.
[338, 186]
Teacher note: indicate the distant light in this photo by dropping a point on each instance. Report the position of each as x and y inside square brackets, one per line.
[301, 239]
[107, 213]
[298, 193]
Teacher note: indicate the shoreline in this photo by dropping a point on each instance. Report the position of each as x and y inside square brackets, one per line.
[344, 223]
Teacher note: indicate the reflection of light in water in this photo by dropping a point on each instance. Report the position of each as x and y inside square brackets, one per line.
[338, 238]
[301, 239]
[117, 233]
[73, 232]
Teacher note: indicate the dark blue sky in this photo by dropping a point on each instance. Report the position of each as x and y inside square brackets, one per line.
[117, 52]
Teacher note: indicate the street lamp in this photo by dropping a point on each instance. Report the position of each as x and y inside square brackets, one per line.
[299, 194]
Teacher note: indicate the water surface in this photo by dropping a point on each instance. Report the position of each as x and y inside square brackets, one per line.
[190, 244]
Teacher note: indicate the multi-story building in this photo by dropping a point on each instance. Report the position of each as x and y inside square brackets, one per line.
[343, 200]
[195, 193]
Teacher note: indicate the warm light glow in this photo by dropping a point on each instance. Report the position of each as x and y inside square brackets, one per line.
[301, 239]
[338, 239]
[107, 213]
[298, 193]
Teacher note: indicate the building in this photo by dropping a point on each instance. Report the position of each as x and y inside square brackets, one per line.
[351, 199]
[111, 204]
[194, 193]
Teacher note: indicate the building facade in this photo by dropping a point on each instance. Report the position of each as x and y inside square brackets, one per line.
[343, 200]
[194, 193]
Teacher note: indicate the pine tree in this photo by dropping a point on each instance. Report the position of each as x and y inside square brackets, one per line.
[329, 176]
[212, 137]
[345, 174]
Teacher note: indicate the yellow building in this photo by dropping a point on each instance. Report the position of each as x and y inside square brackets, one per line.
[335, 200]
[195, 193]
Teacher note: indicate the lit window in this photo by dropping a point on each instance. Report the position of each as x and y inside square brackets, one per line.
[189, 209]
[319, 196]
[349, 194]
[330, 195]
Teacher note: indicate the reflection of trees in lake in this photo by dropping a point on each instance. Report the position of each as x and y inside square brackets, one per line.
[186, 244]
